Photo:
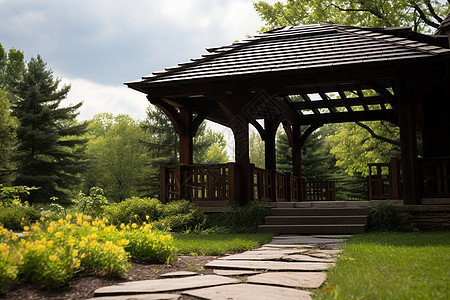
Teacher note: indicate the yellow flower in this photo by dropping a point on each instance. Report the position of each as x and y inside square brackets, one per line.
[42, 219]
[25, 234]
[85, 224]
[26, 228]
[122, 226]
[14, 237]
[88, 217]
[82, 244]
[133, 225]
[50, 229]
[75, 253]
[147, 217]
[58, 234]
[83, 255]
[3, 246]
[68, 217]
[61, 221]
[35, 228]
[53, 257]
[71, 242]
[79, 221]
[40, 248]
[50, 244]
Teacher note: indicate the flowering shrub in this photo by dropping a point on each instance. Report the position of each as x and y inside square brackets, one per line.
[52, 252]
[94, 203]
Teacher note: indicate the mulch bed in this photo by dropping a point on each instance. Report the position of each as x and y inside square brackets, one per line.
[84, 287]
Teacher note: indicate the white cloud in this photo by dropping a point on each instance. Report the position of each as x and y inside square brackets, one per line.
[99, 98]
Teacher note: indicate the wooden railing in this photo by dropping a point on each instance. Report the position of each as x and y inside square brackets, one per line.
[320, 190]
[384, 180]
[434, 174]
[216, 185]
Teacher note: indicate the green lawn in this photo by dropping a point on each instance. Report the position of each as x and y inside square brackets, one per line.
[391, 266]
[218, 244]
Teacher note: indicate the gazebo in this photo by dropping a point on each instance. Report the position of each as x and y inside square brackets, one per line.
[308, 76]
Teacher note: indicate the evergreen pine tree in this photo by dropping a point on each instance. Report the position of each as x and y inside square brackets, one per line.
[50, 152]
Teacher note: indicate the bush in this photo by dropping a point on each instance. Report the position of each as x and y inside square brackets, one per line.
[92, 204]
[53, 252]
[150, 246]
[16, 216]
[133, 210]
[241, 219]
[386, 217]
[180, 216]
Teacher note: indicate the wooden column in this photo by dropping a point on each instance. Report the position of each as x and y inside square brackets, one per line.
[241, 145]
[408, 141]
[269, 145]
[297, 160]
[186, 137]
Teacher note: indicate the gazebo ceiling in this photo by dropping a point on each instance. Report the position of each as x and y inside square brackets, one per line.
[323, 73]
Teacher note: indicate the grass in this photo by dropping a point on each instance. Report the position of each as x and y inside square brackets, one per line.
[218, 244]
[391, 266]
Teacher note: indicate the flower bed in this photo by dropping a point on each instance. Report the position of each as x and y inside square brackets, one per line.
[52, 252]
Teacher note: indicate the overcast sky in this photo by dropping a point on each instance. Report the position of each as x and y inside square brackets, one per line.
[97, 45]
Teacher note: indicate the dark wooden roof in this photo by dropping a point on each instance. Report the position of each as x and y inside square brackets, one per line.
[300, 67]
[300, 47]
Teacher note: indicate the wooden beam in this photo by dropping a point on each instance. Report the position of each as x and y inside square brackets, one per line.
[326, 99]
[307, 133]
[374, 115]
[343, 102]
[170, 112]
[309, 101]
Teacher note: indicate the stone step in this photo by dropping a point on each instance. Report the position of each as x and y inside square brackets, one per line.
[316, 220]
[435, 201]
[314, 229]
[344, 211]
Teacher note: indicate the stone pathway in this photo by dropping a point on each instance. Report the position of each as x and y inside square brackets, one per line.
[289, 267]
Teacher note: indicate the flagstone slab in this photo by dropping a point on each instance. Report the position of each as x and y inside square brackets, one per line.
[268, 265]
[303, 240]
[307, 258]
[163, 285]
[249, 292]
[251, 256]
[271, 250]
[141, 297]
[235, 272]
[179, 274]
[309, 280]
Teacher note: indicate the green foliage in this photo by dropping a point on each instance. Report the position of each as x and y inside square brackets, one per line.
[8, 126]
[8, 271]
[179, 216]
[354, 147]
[150, 246]
[175, 216]
[240, 219]
[14, 217]
[257, 150]
[116, 155]
[419, 14]
[92, 204]
[133, 210]
[386, 217]
[49, 138]
[218, 244]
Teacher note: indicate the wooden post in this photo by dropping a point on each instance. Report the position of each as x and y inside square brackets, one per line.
[408, 141]
[186, 144]
[163, 182]
[297, 159]
[241, 142]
